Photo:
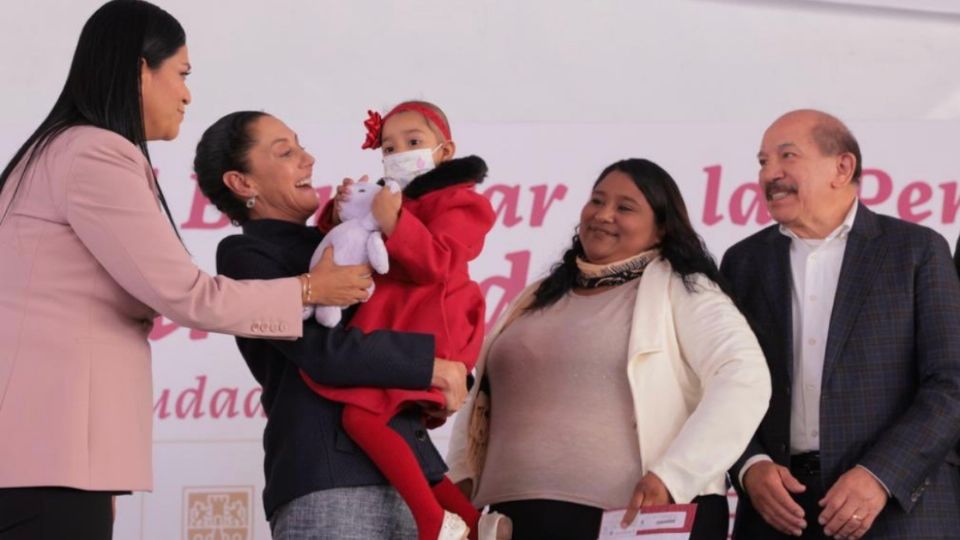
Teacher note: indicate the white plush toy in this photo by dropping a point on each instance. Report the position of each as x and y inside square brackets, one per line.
[356, 240]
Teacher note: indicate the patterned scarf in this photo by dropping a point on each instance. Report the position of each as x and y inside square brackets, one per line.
[591, 275]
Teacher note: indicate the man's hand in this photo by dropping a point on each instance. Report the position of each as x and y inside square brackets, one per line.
[769, 486]
[451, 379]
[650, 491]
[339, 286]
[852, 504]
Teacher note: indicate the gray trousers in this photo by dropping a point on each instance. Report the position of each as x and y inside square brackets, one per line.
[353, 513]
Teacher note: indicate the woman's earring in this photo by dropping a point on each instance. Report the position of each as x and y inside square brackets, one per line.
[251, 201]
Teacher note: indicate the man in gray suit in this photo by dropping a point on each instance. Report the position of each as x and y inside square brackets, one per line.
[858, 315]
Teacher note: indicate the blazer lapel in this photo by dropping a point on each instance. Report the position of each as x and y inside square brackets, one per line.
[777, 287]
[648, 332]
[861, 259]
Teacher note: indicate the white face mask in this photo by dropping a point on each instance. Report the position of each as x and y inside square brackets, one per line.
[403, 167]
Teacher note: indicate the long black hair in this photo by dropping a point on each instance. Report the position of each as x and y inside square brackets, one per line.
[225, 146]
[679, 243]
[103, 85]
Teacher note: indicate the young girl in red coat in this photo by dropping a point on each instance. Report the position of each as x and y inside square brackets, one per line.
[431, 232]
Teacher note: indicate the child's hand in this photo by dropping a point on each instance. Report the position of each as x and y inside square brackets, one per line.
[343, 193]
[386, 210]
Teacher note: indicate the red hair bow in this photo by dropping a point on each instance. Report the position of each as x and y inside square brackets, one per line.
[373, 124]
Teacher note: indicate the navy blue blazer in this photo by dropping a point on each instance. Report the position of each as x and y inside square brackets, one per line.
[890, 393]
[306, 447]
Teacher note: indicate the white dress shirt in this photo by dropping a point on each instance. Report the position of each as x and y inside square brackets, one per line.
[815, 271]
[815, 268]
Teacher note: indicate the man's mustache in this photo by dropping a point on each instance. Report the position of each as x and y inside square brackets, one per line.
[779, 186]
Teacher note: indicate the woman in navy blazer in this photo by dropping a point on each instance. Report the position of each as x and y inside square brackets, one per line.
[252, 167]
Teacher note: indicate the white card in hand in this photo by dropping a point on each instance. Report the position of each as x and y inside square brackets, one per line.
[668, 522]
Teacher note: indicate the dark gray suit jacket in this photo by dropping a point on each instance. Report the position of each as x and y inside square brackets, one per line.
[890, 394]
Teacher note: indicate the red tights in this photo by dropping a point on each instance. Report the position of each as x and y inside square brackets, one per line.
[395, 459]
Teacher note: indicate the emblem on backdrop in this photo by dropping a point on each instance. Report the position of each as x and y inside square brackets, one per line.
[218, 513]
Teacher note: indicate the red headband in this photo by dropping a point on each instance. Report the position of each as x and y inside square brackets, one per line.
[374, 123]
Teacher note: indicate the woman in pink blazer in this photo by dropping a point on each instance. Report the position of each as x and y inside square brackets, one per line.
[88, 260]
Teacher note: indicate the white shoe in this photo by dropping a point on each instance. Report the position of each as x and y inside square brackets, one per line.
[453, 527]
[495, 526]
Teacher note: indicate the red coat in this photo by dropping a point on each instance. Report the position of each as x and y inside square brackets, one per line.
[441, 228]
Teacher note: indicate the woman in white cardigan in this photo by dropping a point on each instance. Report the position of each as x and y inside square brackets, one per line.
[627, 378]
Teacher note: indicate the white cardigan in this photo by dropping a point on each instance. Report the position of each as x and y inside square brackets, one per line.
[698, 378]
